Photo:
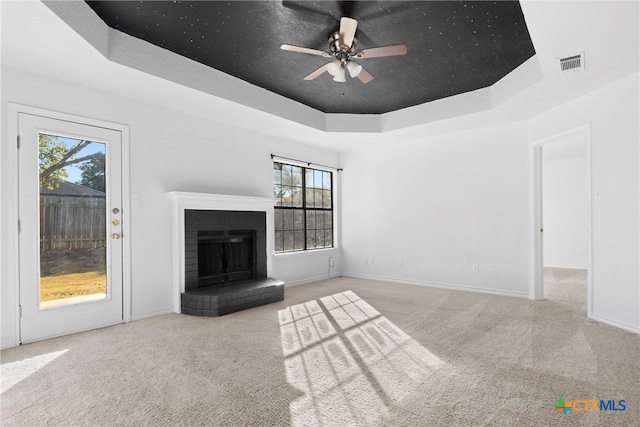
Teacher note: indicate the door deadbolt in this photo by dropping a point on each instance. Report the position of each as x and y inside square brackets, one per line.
[115, 222]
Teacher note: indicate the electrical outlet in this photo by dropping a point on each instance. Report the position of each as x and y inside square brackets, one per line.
[475, 268]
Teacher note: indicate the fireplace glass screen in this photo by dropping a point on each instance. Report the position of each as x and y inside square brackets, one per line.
[225, 256]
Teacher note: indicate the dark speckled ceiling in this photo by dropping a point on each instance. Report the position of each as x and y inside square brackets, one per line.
[453, 47]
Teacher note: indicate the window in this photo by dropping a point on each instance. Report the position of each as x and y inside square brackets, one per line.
[304, 208]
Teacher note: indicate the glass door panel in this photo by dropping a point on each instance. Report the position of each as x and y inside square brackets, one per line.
[73, 217]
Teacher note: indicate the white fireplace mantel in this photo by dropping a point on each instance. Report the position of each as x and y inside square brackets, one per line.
[216, 202]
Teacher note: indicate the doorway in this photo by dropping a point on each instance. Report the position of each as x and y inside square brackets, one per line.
[564, 212]
[562, 216]
[71, 275]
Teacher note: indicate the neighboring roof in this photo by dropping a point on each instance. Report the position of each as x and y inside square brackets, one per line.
[70, 189]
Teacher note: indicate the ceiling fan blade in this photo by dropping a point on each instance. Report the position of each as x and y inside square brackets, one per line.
[377, 52]
[317, 72]
[304, 50]
[364, 76]
[348, 28]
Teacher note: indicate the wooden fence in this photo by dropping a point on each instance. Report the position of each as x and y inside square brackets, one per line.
[72, 222]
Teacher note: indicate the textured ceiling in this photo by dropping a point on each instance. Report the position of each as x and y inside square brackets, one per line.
[453, 47]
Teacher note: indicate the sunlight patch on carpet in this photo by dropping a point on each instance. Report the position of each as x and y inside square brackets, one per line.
[349, 360]
[14, 372]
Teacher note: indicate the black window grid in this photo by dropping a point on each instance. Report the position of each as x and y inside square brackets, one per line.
[302, 224]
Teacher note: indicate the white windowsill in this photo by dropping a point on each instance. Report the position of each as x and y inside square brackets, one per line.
[307, 252]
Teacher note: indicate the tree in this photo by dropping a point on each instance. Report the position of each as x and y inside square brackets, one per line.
[93, 173]
[54, 156]
[287, 186]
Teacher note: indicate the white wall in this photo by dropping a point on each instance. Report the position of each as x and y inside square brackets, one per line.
[169, 151]
[424, 211]
[565, 206]
[613, 112]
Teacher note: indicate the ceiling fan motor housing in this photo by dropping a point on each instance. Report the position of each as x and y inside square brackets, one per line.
[341, 52]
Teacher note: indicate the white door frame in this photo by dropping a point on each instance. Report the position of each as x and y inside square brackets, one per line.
[536, 287]
[13, 288]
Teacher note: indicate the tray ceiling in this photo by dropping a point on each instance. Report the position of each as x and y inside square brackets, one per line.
[453, 47]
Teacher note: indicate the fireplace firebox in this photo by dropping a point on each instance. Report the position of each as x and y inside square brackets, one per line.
[223, 247]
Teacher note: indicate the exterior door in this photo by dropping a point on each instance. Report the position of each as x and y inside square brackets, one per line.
[70, 209]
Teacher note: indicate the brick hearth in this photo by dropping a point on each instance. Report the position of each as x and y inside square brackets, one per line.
[220, 300]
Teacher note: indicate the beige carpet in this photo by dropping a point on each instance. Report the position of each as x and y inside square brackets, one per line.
[338, 352]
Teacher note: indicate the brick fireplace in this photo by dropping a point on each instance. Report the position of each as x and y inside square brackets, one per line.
[221, 256]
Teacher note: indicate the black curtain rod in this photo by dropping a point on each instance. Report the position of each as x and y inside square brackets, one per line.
[308, 163]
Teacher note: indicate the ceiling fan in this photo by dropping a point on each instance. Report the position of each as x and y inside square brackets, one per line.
[342, 47]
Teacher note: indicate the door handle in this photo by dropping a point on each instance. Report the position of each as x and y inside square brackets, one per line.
[115, 236]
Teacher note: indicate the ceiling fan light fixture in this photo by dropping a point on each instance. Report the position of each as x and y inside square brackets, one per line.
[340, 76]
[354, 69]
[333, 67]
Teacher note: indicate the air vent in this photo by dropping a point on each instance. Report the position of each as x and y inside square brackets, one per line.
[572, 63]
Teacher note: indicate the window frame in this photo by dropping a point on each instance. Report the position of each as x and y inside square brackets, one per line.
[304, 209]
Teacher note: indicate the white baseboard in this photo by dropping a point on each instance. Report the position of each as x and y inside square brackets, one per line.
[634, 329]
[152, 314]
[309, 280]
[450, 286]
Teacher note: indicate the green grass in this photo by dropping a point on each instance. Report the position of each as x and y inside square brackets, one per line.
[72, 285]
